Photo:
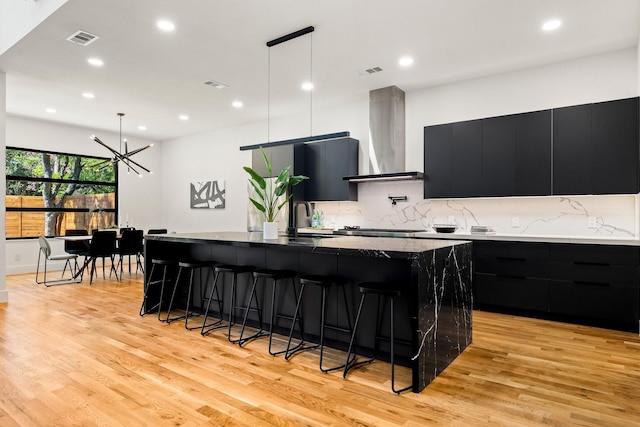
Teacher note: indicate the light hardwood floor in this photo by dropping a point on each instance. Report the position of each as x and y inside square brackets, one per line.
[79, 355]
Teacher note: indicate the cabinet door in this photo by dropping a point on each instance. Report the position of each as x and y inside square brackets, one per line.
[466, 179]
[533, 154]
[572, 152]
[314, 160]
[498, 156]
[614, 127]
[341, 159]
[438, 160]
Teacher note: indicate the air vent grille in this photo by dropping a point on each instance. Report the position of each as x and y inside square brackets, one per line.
[82, 38]
[216, 84]
[371, 70]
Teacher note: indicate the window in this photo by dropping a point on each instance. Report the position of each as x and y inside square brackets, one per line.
[49, 193]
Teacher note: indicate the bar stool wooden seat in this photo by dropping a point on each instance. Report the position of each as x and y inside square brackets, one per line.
[234, 271]
[164, 264]
[261, 276]
[325, 283]
[387, 292]
[190, 267]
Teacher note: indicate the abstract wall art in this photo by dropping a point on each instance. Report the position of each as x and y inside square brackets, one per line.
[207, 194]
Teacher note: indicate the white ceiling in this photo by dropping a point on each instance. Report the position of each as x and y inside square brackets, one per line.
[153, 77]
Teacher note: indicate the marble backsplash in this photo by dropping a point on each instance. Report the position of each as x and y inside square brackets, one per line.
[610, 216]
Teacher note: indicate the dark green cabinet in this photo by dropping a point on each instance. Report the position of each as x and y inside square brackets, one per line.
[325, 163]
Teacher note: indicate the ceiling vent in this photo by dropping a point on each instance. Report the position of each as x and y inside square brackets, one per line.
[82, 38]
[216, 84]
[372, 70]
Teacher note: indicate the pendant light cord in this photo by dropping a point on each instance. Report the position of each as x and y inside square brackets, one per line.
[269, 95]
[312, 84]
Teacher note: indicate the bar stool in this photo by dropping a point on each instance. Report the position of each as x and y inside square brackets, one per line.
[191, 266]
[325, 283]
[220, 269]
[164, 264]
[388, 291]
[275, 276]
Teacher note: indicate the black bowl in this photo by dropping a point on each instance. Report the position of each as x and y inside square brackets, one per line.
[444, 228]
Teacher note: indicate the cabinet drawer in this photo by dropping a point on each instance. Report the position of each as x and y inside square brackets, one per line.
[530, 294]
[622, 255]
[594, 301]
[511, 250]
[513, 266]
[595, 273]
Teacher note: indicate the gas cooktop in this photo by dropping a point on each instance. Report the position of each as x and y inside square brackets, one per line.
[376, 232]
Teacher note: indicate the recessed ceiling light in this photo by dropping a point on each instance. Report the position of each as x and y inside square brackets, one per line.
[405, 61]
[96, 62]
[88, 95]
[50, 110]
[237, 104]
[551, 24]
[165, 25]
[184, 117]
[142, 127]
[307, 86]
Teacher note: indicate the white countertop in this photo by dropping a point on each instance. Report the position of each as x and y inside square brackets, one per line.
[461, 235]
[464, 235]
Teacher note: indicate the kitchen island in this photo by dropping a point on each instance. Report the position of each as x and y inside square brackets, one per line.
[435, 322]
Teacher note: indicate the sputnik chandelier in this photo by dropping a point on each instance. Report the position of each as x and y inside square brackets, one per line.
[120, 156]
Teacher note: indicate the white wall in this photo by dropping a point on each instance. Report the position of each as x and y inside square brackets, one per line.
[139, 198]
[590, 79]
[3, 104]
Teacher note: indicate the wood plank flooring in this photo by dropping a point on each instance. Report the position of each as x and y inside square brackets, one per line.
[79, 355]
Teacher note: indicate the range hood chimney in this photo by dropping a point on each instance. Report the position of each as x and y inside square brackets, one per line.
[387, 137]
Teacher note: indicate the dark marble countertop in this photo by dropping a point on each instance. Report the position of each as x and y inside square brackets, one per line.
[344, 244]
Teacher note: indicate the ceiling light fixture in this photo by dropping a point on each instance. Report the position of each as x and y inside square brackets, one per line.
[307, 86]
[165, 25]
[50, 110]
[405, 61]
[237, 104]
[142, 127]
[183, 117]
[96, 62]
[88, 95]
[120, 156]
[552, 24]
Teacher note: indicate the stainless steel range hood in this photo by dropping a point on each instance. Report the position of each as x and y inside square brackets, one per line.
[387, 137]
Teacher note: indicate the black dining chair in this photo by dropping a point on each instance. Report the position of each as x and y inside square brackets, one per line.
[130, 243]
[103, 245]
[79, 247]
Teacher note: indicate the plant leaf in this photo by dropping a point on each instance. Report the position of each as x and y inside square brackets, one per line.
[256, 177]
[266, 161]
[258, 205]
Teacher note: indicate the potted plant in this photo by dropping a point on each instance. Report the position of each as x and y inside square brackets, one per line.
[269, 192]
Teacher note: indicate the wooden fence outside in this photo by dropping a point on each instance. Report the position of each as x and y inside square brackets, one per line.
[31, 224]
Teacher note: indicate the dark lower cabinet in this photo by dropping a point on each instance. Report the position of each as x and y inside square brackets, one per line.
[512, 292]
[595, 284]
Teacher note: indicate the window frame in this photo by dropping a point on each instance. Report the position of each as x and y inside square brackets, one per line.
[8, 178]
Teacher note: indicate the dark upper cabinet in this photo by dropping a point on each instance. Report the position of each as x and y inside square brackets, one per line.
[325, 163]
[583, 149]
[438, 161]
[614, 135]
[533, 153]
[498, 156]
[572, 152]
[466, 171]
[595, 148]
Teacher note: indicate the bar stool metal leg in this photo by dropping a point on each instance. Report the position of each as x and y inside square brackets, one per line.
[206, 328]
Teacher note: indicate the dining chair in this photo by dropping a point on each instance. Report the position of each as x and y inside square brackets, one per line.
[130, 243]
[45, 249]
[103, 245]
[79, 247]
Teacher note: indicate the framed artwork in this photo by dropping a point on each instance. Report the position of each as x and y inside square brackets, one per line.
[207, 194]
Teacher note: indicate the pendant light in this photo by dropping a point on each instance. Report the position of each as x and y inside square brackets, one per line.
[120, 156]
